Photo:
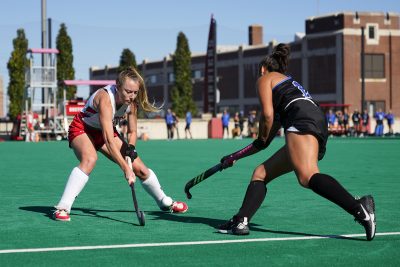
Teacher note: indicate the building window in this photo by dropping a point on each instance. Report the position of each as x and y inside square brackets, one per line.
[374, 66]
[372, 33]
[196, 74]
[171, 77]
[374, 106]
[153, 79]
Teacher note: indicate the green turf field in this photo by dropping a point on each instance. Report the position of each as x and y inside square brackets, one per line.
[294, 226]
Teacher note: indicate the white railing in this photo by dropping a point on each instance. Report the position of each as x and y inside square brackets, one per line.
[41, 77]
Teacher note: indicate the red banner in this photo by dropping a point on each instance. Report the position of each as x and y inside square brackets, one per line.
[74, 108]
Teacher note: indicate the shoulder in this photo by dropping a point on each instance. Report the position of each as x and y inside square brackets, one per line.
[271, 79]
[101, 98]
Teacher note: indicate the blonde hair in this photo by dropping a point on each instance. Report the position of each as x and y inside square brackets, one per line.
[142, 99]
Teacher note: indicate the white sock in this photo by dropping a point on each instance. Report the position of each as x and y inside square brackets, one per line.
[76, 182]
[153, 188]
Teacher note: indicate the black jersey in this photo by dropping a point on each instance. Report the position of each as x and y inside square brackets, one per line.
[298, 112]
[285, 93]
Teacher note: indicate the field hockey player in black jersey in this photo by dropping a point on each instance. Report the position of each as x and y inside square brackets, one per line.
[285, 103]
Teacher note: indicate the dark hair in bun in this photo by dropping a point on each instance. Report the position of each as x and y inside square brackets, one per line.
[278, 60]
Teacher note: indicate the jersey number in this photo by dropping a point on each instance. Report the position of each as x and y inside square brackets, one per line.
[305, 93]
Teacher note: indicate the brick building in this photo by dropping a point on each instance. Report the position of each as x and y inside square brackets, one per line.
[326, 60]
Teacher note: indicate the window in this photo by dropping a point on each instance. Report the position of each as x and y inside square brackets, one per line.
[196, 74]
[374, 106]
[374, 66]
[372, 33]
[153, 78]
[171, 77]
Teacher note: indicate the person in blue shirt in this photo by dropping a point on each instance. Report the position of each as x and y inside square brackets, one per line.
[331, 118]
[188, 122]
[225, 123]
[356, 118]
[379, 116]
[169, 120]
[390, 121]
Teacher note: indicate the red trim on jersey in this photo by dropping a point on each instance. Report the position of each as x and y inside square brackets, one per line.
[78, 127]
[91, 110]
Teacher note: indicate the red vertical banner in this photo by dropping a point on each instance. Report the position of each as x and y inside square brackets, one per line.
[210, 74]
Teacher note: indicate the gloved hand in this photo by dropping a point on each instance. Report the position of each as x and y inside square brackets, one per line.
[131, 152]
[227, 161]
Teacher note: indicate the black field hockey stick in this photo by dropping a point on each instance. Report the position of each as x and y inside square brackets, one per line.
[139, 213]
[244, 152]
[201, 177]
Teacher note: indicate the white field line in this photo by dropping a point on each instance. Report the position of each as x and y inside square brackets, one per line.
[189, 243]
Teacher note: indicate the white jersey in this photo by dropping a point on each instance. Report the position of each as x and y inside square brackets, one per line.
[91, 114]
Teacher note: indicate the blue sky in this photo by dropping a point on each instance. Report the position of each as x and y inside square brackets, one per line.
[100, 29]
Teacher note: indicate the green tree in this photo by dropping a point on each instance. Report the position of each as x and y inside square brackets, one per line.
[126, 60]
[182, 91]
[16, 70]
[65, 59]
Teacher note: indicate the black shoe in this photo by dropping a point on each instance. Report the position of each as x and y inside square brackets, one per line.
[235, 226]
[369, 220]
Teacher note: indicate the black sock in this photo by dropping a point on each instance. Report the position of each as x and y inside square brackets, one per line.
[327, 187]
[255, 195]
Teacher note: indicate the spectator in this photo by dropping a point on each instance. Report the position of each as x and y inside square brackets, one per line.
[379, 116]
[30, 132]
[36, 128]
[236, 128]
[340, 123]
[365, 122]
[331, 118]
[241, 123]
[251, 123]
[346, 117]
[390, 122]
[175, 124]
[356, 118]
[169, 120]
[225, 123]
[188, 123]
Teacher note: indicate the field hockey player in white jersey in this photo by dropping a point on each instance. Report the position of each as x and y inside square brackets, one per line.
[94, 130]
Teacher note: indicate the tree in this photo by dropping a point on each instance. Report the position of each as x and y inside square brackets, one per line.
[65, 59]
[182, 91]
[126, 60]
[16, 70]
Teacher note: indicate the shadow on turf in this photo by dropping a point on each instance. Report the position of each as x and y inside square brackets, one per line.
[48, 212]
[253, 227]
[160, 215]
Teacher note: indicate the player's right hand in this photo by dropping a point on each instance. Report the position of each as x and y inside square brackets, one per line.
[227, 161]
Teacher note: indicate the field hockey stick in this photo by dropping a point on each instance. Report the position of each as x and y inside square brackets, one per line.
[201, 177]
[244, 152]
[139, 213]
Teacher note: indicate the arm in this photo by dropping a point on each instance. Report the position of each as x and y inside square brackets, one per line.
[264, 88]
[267, 126]
[255, 147]
[132, 125]
[103, 105]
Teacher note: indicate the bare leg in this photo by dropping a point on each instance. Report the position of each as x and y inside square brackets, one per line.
[86, 153]
[147, 177]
